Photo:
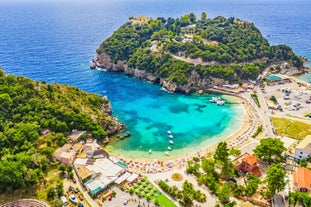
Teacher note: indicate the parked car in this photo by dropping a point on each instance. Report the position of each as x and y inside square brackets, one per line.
[64, 175]
[74, 180]
[71, 188]
[64, 200]
[110, 198]
[80, 197]
[73, 199]
[125, 202]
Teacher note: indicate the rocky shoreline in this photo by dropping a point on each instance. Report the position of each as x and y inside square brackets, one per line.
[111, 125]
[195, 82]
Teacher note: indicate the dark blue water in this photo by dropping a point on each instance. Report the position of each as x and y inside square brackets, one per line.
[55, 42]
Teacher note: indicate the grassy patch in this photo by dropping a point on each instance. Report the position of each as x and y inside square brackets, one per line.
[255, 97]
[291, 128]
[259, 129]
[165, 201]
[147, 190]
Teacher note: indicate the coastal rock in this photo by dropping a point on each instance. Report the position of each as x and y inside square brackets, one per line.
[112, 126]
[195, 81]
[106, 108]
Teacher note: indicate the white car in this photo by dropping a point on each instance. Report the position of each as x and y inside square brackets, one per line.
[125, 202]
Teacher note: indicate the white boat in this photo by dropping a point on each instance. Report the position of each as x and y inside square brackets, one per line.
[220, 103]
[169, 148]
[167, 153]
[150, 151]
[169, 132]
[171, 142]
[215, 99]
[171, 136]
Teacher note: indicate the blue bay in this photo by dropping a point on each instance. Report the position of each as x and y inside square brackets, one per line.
[55, 42]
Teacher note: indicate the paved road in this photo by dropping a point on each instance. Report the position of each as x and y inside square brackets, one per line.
[262, 111]
[265, 115]
[88, 201]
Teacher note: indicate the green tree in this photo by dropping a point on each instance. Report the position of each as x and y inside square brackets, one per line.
[69, 168]
[222, 152]
[192, 18]
[270, 149]
[252, 184]
[224, 192]
[50, 192]
[57, 202]
[203, 16]
[62, 167]
[235, 152]
[275, 179]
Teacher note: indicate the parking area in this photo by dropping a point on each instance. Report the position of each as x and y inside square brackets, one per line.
[289, 98]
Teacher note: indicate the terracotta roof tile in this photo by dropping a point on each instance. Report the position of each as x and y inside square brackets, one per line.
[302, 178]
[250, 159]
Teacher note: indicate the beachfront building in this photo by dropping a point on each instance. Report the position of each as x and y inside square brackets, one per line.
[249, 164]
[302, 179]
[303, 149]
[96, 175]
[274, 79]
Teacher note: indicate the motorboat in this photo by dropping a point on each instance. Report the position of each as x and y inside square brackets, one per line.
[150, 151]
[171, 136]
[169, 132]
[220, 103]
[169, 148]
[215, 99]
[171, 142]
[167, 153]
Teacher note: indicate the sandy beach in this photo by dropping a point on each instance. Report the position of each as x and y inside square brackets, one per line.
[146, 165]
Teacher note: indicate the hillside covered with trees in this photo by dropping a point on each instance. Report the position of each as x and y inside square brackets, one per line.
[27, 108]
[173, 50]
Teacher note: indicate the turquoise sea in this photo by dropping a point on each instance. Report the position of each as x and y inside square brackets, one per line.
[55, 42]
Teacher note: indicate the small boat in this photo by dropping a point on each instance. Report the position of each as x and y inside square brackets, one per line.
[140, 147]
[171, 136]
[167, 153]
[150, 151]
[171, 142]
[220, 103]
[169, 148]
[169, 132]
[215, 99]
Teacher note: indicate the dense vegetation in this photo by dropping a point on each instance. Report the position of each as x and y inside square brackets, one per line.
[27, 107]
[230, 49]
[219, 174]
[184, 196]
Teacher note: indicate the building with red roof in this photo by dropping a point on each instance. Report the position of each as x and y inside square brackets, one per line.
[302, 179]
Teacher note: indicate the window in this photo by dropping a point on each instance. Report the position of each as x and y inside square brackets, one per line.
[301, 153]
[300, 157]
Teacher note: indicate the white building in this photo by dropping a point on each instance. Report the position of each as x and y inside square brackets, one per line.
[303, 149]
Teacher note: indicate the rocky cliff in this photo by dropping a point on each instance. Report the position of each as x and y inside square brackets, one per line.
[194, 83]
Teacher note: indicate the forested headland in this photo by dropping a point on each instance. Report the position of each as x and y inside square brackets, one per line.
[189, 53]
[27, 108]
